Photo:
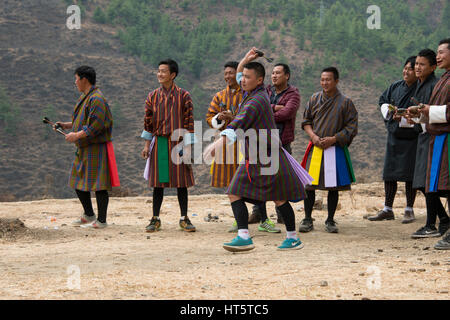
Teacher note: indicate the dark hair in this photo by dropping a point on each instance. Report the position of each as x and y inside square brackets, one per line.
[231, 64]
[258, 67]
[430, 55]
[88, 73]
[411, 60]
[445, 41]
[173, 66]
[333, 70]
[286, 69]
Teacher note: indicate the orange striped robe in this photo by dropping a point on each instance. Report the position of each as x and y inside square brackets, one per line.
[165, 112]
[227, 99]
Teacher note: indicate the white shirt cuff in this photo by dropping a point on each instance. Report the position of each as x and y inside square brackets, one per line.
[239, 77]
[438, 114]
[216, 124]
[385, 110]
[230, 134]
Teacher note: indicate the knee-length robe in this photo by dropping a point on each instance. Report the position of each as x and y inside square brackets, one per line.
[439, 97]
[422, 94]
[401, 143]
[256, 113]
[165, 112]
[331, 116]
[90, 171]
[223, 171]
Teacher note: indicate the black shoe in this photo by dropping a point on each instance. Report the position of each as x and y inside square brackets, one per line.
[443, 244]
[443, 227]
[382, 215]
[255, 217]
[155, 225]
[426, 232]
[330, 226]
[306, 225]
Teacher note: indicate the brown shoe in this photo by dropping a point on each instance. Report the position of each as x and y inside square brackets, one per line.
[408, 217]
[382, 215]
[255, 217]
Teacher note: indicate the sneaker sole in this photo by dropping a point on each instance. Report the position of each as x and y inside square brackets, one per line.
[293, 248]
[151, 231]
[193, 230]
[331, 231]
[239, 249]
[442, 248]
[408, 221]
[305, 230]
[385, 219]
[264, 230]
[434, 235]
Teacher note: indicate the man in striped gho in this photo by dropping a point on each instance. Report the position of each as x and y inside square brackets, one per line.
[252, 182]
[331, 121]
[167, 110]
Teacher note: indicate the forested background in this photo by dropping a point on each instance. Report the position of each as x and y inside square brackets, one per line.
[125, 39]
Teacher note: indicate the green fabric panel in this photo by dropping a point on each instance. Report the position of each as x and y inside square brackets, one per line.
[349, 163]
[163, 159]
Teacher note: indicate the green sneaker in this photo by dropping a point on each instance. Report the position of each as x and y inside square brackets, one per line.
[234, 227]
[268, 226]
[291, 244]
[238, 245]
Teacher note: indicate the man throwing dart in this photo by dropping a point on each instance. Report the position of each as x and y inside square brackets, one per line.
[94, 167]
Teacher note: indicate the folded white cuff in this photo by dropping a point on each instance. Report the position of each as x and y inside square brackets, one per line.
[385, 110]
[146, 135]
[438, 114]
[230, 134]
[215, 122]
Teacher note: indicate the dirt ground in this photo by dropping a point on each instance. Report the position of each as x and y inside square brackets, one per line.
[365, 260]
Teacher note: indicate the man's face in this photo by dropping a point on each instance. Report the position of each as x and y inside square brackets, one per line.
[250, 80]
[409, 74]
[279, 78]
[164, 75]
[423, 68]
[328, 82]
[82, 84]
[230, 76]
[443, 56]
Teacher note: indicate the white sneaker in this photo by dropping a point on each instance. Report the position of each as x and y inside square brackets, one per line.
[95, 225]
[83, 220]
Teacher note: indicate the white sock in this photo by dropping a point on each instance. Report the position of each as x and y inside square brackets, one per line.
[386, 208]
[244, 234]
[291, 235]
[182, 217]
[408, 209]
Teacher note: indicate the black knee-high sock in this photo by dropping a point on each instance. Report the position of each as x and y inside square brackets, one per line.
[390, 189]
[182, 194]
[309, 203]
[432, 208]
[158, 196]
[410, 194]
[288, 215]
[102, 204]
[438, 209]
[240, 212]
[262, 210]
[332, 201]
[85, 199]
